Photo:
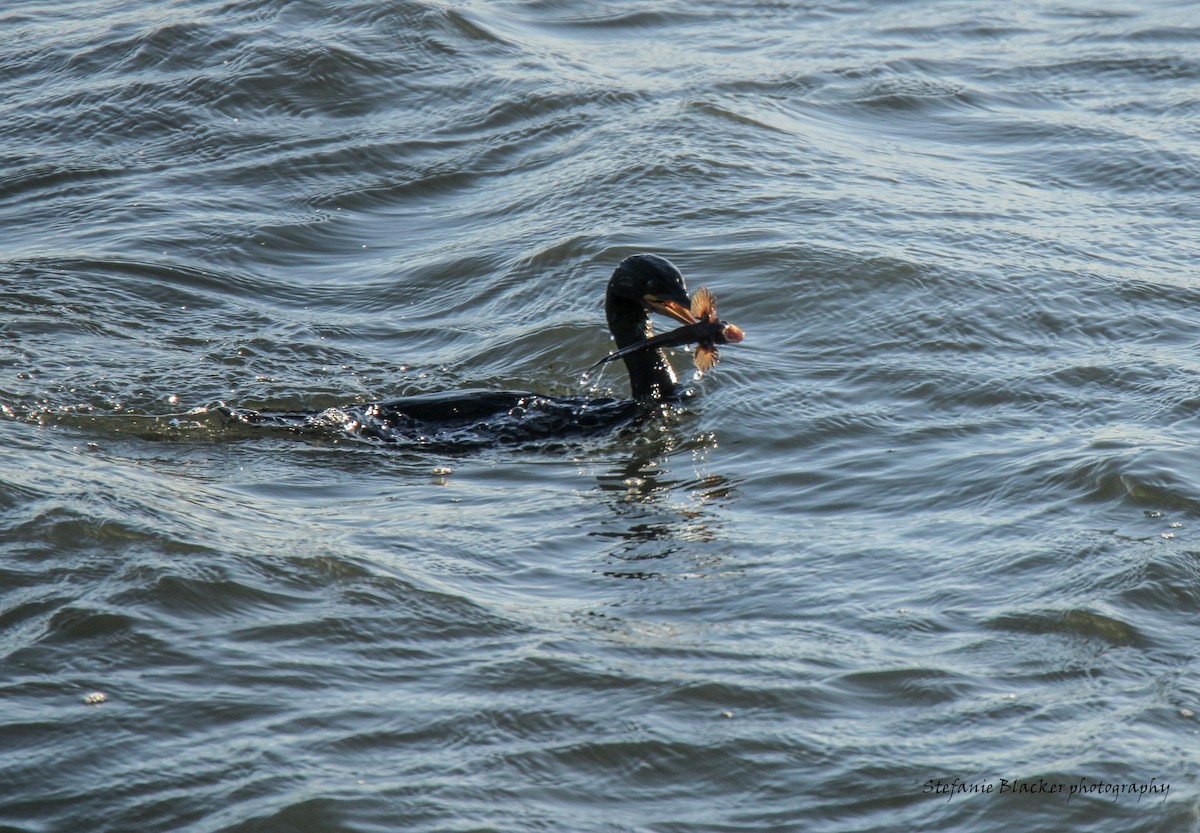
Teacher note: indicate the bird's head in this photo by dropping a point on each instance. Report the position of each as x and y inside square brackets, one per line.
[651, 283]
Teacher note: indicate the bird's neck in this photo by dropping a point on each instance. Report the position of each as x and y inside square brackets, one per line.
[650, 374]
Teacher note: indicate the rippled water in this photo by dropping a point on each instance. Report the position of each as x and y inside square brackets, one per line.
[933, 520]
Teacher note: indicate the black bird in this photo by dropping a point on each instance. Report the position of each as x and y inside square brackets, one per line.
[641, 284]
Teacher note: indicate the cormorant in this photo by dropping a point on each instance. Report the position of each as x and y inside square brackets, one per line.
[641, 284]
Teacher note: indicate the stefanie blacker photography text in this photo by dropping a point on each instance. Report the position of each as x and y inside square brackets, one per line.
[956, 787]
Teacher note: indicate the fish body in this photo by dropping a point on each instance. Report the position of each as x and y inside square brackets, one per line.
[704, 308]
[706, 332]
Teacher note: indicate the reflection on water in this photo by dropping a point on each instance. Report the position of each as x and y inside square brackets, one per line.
[658, 510]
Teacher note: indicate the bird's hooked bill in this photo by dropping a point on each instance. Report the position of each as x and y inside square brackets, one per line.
[670, 308]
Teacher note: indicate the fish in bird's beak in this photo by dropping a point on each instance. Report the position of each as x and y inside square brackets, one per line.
[701, 327]
[714, 331]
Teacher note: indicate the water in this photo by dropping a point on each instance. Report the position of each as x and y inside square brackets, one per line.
[933, 520]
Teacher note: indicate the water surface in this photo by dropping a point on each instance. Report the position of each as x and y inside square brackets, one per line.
[931, 521]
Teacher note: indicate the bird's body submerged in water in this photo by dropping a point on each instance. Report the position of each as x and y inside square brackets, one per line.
[640, 284]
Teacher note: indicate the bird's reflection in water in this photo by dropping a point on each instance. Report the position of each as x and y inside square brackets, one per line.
[663, 502]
